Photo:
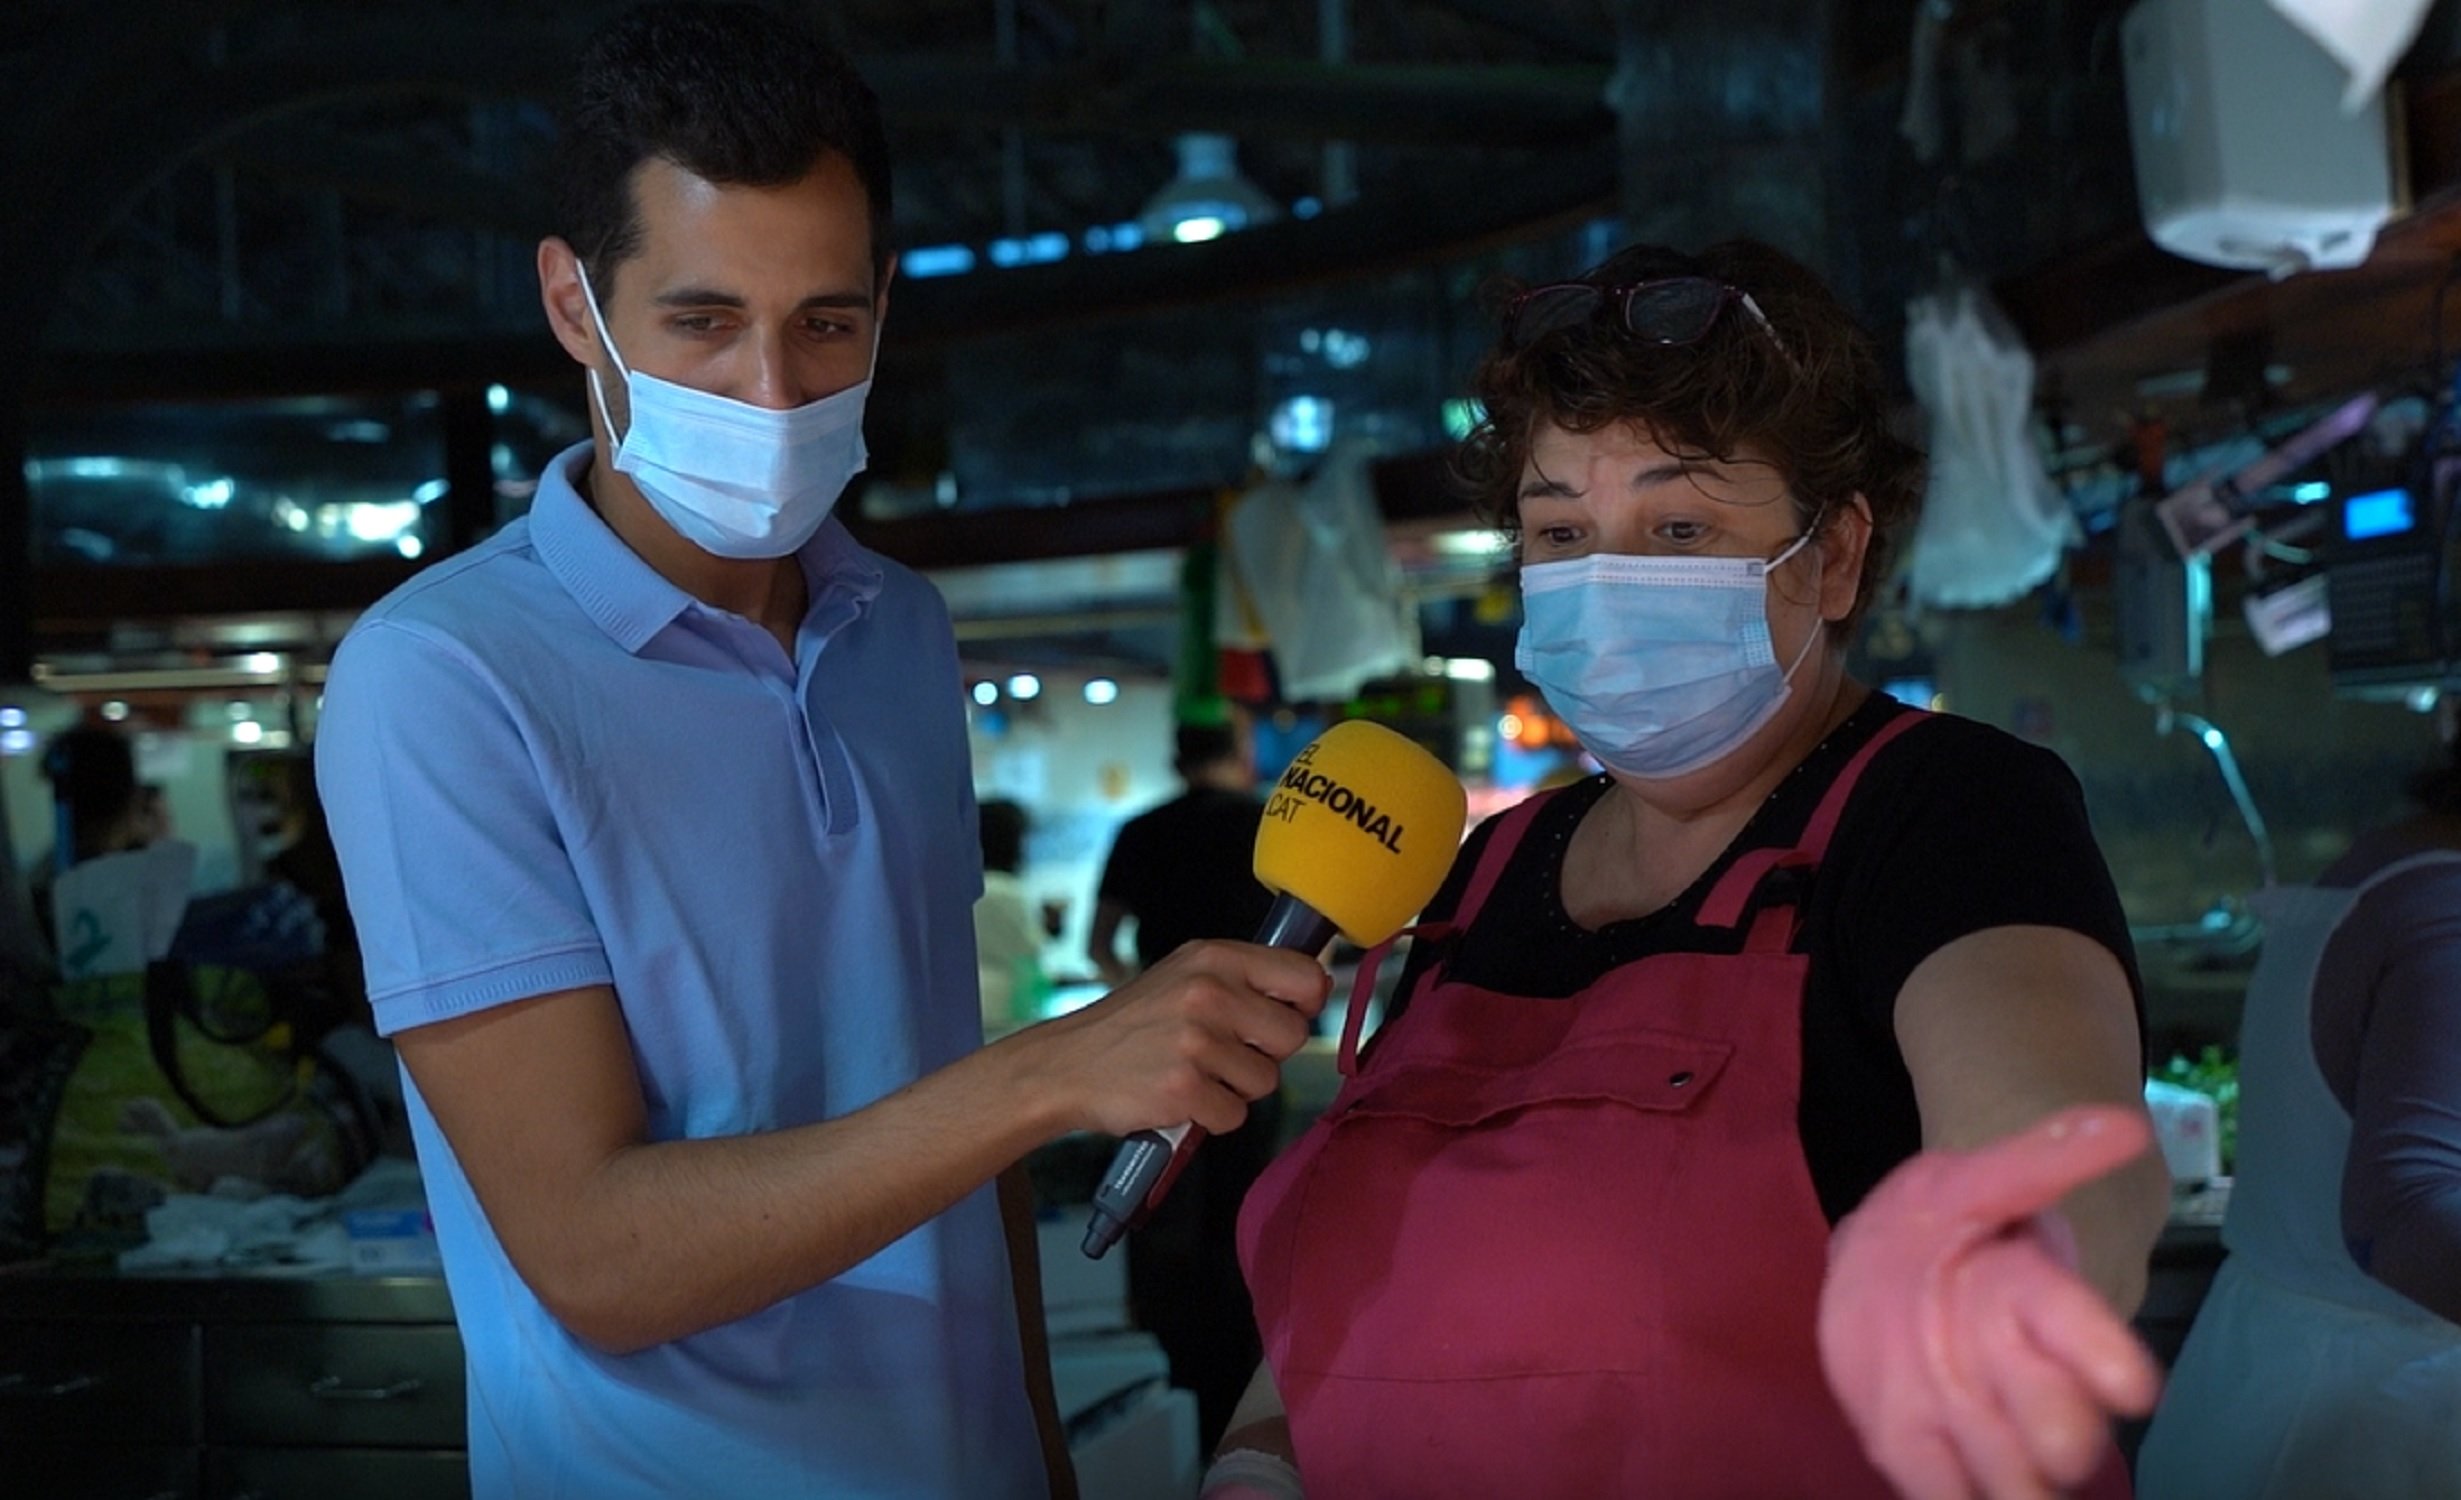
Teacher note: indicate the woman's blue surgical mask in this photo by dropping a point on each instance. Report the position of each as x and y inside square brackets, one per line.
[732, 478]
[1662, 665]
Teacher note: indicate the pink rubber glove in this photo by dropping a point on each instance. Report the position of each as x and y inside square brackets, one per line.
[1968, 1354]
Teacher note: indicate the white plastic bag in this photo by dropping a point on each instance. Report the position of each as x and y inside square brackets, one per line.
[1311, 562]
[2365, 36]
[1993, 526]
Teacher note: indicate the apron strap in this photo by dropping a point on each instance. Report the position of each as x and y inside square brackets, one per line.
[1772, 926]
[2404, 866]
[1816, 833]
[1509, 830]
[1363, 987]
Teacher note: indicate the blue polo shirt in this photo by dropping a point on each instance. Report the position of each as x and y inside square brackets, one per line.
[548, 767]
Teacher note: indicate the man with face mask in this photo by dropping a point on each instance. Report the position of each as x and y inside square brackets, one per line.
[656, 820]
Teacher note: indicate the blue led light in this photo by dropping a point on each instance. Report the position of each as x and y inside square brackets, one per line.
[2377, 513]
[936, 260]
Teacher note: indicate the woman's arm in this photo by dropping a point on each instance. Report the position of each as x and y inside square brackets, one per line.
[2401, 1189]
[2006, 1026]
[1255, 1460]
[1259, 1421]
[1973, 1321]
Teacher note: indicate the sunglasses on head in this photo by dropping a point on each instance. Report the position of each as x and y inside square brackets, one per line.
[1665, 310]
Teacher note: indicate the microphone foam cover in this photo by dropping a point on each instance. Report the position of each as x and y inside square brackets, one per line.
[1362, 827]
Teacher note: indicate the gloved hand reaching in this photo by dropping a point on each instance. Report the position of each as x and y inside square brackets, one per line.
[1970, 1357]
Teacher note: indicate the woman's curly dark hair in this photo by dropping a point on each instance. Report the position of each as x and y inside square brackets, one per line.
[1815, 408]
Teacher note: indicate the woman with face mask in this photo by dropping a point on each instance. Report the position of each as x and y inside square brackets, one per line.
[1762, 1115]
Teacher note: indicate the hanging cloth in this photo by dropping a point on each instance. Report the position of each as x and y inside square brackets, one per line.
[1993, 526]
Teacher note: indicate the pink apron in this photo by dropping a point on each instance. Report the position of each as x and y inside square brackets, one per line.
[1569, 1248]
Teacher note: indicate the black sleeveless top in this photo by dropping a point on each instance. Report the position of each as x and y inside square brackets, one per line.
[1956, 828]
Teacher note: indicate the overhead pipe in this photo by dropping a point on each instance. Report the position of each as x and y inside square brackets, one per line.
[1341, 164]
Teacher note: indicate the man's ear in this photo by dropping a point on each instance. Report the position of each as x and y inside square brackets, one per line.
[560, 294]
[1847, 537]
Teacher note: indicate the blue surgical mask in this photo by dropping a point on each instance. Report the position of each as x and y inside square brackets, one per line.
[1662, 665]
[732, 478]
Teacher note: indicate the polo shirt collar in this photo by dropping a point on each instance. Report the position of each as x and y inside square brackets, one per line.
[835, 565]
[632, 601]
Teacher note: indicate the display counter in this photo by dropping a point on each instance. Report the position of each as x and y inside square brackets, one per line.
[228, 1386]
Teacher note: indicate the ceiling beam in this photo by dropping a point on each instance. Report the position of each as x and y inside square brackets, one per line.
[86, 159]
[1447, 221]
[1387, 103]
[1415, 487]
[85, 603]
[423, 185]
[1532, 25]
[1391, 232]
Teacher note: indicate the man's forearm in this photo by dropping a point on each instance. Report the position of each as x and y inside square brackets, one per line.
[631, 1242]
[670, 1238]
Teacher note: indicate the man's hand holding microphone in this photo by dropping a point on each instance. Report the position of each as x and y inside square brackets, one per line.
[1195, 1037]
[1357, 835]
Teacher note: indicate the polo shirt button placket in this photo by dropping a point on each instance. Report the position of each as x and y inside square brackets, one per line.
[823, 750]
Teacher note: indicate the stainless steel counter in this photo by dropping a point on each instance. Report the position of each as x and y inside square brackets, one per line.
[98, 1293]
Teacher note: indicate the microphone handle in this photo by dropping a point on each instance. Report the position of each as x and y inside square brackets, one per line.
[1292, 923]
[1136, 1180]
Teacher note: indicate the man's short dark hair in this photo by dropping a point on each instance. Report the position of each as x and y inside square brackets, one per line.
[93, 773]
[1202, 745]
[736, 94]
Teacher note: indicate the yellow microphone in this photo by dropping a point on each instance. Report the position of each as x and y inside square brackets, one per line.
[1357, 835]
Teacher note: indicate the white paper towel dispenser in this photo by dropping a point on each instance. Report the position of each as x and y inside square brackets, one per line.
[2244, 156]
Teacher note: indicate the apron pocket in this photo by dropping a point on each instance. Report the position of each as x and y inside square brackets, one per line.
[1524, 1201]
[1660, 1073]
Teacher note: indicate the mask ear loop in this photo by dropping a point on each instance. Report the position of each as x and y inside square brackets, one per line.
[1771, 566]
[1798, 544]
[598, 320]
[872, 367]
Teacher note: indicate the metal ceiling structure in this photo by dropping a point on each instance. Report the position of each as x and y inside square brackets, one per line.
[216, 198]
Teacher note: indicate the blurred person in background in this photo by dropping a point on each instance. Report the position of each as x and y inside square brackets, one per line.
[2326, 1360]
[1008, 932]
[1184, 871]
[98, 807]
[1766, 1116]
[103, 808]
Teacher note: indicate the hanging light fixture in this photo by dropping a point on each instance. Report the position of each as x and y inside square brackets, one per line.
[1208, 198]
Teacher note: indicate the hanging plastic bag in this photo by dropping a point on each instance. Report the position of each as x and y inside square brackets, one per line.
[1993, 526]
[2365, 36]
[1312, 563]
